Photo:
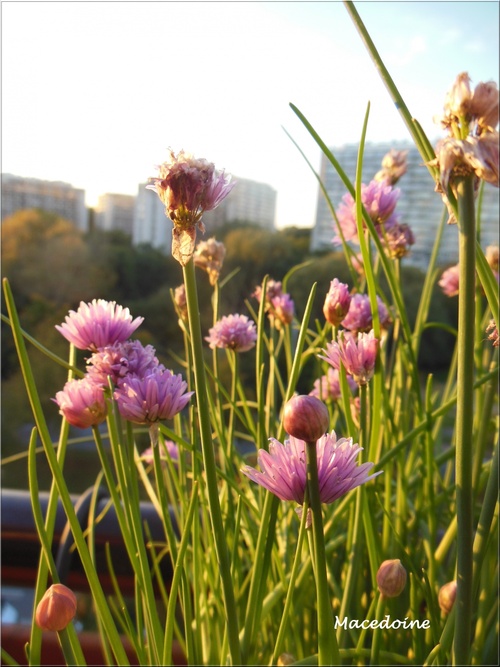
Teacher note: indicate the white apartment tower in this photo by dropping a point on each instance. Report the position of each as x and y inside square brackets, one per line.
[52, 196]
[151, 224]
[418, 205]
[115, 212]
[249, 201]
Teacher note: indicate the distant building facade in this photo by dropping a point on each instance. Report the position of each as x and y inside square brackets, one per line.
[115, 212]
[418, 205]
[151, 224]
[249, 201]
[53, 196]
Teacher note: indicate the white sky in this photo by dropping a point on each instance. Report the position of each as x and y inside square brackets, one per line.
[94, 93]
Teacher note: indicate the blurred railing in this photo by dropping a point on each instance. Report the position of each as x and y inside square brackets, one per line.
[21, 553]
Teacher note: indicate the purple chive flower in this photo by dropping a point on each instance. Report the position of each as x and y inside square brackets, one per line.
[492, 330]
[359, 316]
[398, 239]
[337, 302]
[168, 450]
[379, 200]
[154, 397]
[282, 309]
[188, 187]
[98, 324]
[235, 332]
[284, 467]
[273, 290]
[449, 281]
[328, 386]
[356, 354]
[82, 403]
[121, 359]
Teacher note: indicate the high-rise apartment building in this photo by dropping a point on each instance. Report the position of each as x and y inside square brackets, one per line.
[53, 196]
[418, 205]
[249, 201]
[151, 224]
[115, 212]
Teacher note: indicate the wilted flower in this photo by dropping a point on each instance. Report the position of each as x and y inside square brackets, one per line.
[449, 281]
[492, 256]
[56, 609]
[446, 596]
[168, 450]
[356, 354]
[284, 468]
[484, 105]
[394, 165]
[121, 359]
[328, 386]
[180, 302]
[154, 397]
[306, 418]
[398, 239]
[209, 256]
[98, 324]
[82, 403]
[235, 332]
[391, 578]
[188, 187]
[359, 316]
[273, 290]
[337, 302]
[493, 336]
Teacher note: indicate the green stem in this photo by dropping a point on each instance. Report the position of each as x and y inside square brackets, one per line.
[328, 650]
[209, 461]
[464, 419]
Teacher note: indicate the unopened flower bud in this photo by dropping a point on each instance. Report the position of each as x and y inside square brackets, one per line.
[447, 595]
[56, 608]
[391, 578]
[337, 302]
[286, 659]
[306, 418]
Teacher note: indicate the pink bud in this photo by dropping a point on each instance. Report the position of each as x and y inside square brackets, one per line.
[447, 595]
[56, 608]
[391, 578]
[306, 418]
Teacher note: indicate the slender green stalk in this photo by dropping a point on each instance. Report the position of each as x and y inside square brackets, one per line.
[209, 462]
[464, 419]
[328, 650]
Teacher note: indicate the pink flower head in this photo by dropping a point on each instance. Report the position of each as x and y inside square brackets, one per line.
[282, 309]
[273, 290]
[357, 354]
[209, 256]
[235, 332]
[337, 302]
[98, 324]
[328, 386]
[449, 281]
[168, 450]
[154, 397]
[359, 316]
[188, 187]
[284, 468]
[379, 200]
[119, 360]
[397, 239]
[82, 403]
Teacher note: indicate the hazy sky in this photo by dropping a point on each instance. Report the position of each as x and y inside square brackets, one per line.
[94, 93]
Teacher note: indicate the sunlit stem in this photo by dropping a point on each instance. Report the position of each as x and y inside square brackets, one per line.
[328, 650]
[465, 417]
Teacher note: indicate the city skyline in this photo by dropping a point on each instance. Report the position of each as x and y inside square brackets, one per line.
[114, 85]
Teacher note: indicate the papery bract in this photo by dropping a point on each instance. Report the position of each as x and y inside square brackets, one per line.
[56, 609]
